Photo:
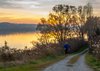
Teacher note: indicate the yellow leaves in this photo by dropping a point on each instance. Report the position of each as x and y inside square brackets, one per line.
[63, 18]
[43, 20]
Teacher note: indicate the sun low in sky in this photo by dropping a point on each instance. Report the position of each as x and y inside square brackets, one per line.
[30, 11]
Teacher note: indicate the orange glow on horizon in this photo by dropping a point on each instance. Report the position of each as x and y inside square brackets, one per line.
[20, 16]
[20, 20]
[26, 16]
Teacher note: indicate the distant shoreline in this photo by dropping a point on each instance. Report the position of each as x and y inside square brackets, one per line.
[11, 28]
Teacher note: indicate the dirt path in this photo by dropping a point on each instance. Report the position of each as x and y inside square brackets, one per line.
[63, 65]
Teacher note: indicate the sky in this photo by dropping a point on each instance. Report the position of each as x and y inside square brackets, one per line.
[30, 11]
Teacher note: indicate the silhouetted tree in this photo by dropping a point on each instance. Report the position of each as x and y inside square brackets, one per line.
[65, 20]
[92, 27]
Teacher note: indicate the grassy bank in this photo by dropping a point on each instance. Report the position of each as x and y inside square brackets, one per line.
[36, 65]
[93, 62]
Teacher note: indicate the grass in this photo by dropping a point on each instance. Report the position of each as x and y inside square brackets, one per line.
[36, 65]
[93, 62]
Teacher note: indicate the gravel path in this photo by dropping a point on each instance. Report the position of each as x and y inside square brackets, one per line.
[62, 65]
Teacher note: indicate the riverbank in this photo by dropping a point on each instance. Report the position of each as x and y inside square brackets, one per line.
[92, 62]
[39, 63]
[36, 65]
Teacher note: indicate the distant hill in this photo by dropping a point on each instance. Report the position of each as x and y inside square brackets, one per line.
[7, 28]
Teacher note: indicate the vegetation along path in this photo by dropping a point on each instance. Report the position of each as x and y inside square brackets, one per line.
[67, 65]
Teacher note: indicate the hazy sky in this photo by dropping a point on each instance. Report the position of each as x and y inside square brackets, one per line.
[30, 11]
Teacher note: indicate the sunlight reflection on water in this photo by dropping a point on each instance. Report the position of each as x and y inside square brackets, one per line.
[19, 40]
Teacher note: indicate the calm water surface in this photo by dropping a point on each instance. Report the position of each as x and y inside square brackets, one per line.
[19, 40]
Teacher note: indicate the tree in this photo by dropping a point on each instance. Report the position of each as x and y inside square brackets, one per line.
[92, 27]
[63, 21]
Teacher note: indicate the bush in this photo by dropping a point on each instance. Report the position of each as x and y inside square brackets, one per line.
[76, 44]
[7, 57]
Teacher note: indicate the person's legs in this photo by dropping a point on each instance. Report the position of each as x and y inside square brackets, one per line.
[65, 51]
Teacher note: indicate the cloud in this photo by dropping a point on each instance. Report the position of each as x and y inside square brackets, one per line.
[96, 4]
[4, 3]
[36, 3]
[44, 5]
[18, 4]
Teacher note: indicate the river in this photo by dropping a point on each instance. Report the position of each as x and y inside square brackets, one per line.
[19, 40]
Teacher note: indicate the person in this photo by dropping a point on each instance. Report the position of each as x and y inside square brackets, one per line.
[66, 48]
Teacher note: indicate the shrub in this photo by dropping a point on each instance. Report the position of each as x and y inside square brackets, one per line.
[76, 44]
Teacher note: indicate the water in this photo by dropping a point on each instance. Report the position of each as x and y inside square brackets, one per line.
[19, 40]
